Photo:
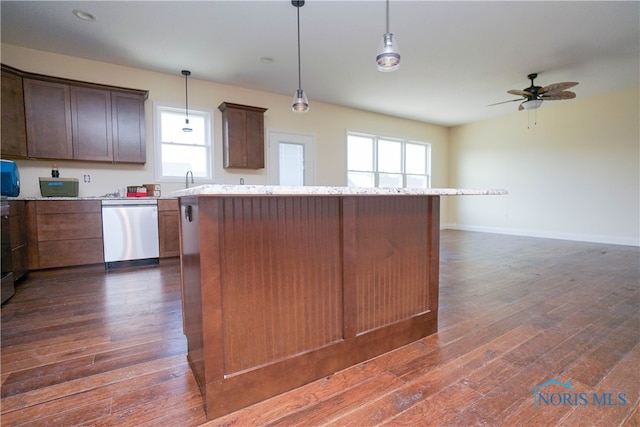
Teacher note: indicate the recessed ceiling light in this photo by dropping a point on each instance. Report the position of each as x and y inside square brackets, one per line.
[266, 60]
[85, 16]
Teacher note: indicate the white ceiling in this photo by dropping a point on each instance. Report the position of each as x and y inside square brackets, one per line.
[457, 57]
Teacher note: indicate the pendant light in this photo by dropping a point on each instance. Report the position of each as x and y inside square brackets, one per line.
[186, 128]
[300, 102]
[388, 58]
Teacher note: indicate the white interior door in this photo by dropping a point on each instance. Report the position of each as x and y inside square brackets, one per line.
[291, 159]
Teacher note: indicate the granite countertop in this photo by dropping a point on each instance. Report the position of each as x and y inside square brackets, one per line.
[276, 190]
[89, 198]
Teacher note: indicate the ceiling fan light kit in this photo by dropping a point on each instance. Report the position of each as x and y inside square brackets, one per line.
[532, 104]
[300, 101]
[388, 58]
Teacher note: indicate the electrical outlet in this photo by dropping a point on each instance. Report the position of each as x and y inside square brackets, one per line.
[241, 181]
[87, 178]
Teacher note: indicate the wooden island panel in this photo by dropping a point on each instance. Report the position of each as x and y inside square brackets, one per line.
[385, 260]
[279, 291]
[281, 278]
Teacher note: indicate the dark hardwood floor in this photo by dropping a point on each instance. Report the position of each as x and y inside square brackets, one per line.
[85, 347]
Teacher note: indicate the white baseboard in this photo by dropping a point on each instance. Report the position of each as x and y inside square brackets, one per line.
[612, 240]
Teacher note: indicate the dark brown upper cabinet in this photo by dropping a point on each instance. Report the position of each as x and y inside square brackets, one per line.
[73, 120]
[48, 115]
[14, 135]
[243, 136]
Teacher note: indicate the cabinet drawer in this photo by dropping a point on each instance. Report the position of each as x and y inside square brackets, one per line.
[69, 226]
[167, 205]
[64, 253]
[68, 206]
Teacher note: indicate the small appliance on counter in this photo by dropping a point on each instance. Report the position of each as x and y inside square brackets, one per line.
[59, 187]
[10, 178]
[136, 191]
[144, 190]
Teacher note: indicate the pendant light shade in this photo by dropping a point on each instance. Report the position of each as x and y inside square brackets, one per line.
[388, 58]
[300, 102]
[186, 128]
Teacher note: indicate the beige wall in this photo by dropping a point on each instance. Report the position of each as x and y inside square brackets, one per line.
[575, 175]
[328, 123]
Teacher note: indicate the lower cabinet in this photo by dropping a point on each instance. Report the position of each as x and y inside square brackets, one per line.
[64, 233]
[169, 227]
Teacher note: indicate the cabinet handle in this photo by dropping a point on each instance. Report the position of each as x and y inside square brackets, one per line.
[188, 213]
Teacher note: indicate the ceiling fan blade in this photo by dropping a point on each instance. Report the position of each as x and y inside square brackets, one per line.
[556, 87]
[521, 106]
[555, 96]
[504, 102]
[519, 92]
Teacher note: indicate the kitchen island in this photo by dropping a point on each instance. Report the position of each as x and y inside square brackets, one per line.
[285, 285]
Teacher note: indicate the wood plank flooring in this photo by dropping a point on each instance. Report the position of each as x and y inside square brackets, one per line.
[81, 347]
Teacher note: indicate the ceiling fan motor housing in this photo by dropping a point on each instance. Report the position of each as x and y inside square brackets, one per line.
[533, 89]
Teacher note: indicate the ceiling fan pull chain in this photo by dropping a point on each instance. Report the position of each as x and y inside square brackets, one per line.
[535, 118]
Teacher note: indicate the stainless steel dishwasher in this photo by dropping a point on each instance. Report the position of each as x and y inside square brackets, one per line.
[130, 232]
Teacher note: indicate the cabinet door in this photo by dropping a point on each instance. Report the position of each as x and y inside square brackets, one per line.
[235, 140]
[48, 118]
[169, 234]
[243, 136]
[255, 140]
[129, 141]
[91, 120]
[14, 137]
[169, 227]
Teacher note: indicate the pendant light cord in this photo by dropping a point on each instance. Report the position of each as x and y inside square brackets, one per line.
[186, 96]
[387, 16]
[299, 72]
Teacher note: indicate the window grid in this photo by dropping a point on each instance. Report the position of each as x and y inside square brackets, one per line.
[354, 175]
[178, 152]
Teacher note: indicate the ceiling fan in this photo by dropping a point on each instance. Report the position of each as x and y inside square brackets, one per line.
[533, 95]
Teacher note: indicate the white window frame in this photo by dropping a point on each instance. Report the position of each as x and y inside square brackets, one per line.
[208, 118]
[375, 170]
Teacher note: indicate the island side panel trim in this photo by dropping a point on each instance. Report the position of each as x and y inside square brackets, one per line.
[210, 224]
[433, 221]
[192, 307]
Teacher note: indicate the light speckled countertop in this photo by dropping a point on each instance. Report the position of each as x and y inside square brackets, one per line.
[276, 190]
[89, 198]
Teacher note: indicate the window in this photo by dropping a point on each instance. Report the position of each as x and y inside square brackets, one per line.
[374, 161]
[177, 151]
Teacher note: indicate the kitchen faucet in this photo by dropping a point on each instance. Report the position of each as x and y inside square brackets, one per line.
[186, 179]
